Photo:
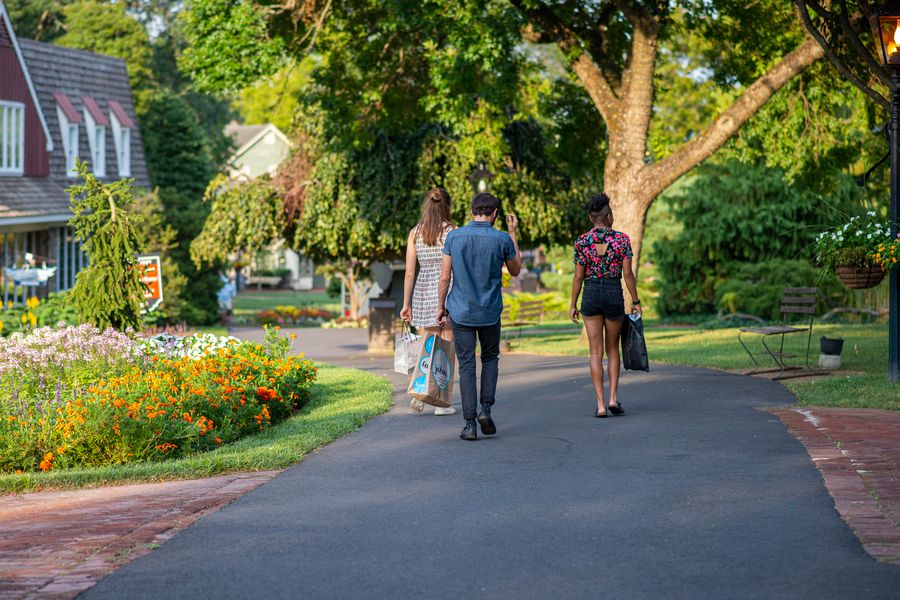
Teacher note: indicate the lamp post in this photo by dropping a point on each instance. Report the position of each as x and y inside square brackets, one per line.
[480, 178]
[889, 44]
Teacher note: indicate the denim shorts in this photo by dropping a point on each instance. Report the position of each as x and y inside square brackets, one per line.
[602, 297]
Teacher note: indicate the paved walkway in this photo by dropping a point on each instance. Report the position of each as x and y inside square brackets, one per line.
[858, 453]
[695, 493]
[57, 544]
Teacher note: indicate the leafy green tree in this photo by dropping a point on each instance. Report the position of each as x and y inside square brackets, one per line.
[243, 216]
[763, 219]
[393, 67]
[41, 20]
[105, 28]
[275, 99]
[109, 291]
[181, 165]
[160, 238]
[844, 30]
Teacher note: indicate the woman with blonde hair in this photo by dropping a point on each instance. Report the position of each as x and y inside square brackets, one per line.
[425, 246]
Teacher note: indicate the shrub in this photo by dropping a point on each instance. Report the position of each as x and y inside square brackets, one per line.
[736, 214]
[557, 282]
[552, 303]
[756, 288]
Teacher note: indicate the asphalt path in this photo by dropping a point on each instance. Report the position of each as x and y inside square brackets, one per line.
[693, 494]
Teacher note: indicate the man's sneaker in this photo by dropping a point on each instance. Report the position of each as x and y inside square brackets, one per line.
[440, 410]
[416, 405]
[486, 422]
[470, 431]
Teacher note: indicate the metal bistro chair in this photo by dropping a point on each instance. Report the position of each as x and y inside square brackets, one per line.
[794, 301]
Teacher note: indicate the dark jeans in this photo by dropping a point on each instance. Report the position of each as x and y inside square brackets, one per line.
[464, 337]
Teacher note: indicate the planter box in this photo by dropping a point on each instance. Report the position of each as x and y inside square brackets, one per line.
[860, 278]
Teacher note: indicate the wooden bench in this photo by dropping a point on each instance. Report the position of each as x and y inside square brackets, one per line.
[794, 301]
[530, 313]
[261, 280]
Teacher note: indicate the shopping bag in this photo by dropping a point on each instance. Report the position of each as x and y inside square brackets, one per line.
[634, 348]
[432, 378]
[407, 346]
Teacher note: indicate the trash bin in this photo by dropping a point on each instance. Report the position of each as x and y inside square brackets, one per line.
[381, 325]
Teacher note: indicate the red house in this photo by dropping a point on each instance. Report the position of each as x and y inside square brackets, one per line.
[56, 104]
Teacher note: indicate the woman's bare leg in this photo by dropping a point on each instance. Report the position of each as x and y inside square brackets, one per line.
[613, 360]
[594, 328]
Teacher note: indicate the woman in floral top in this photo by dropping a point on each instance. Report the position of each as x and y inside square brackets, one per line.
[602, 260]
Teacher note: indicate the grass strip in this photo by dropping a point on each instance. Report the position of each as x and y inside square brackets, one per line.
[342, 401]
[863, 384]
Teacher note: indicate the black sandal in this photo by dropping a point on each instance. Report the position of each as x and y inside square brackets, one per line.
[600, 415]
[616, 409]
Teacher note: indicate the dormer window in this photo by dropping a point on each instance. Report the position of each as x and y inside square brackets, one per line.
[12, 138]
[69, 119]
[121, 129]
[96, 123]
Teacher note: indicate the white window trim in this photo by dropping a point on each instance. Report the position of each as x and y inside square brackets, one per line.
[123, 151]
[98, 154]
[18, 161]
[70, 152]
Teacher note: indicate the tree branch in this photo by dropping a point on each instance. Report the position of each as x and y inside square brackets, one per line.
[834, 58]
[874, 67]
[661, 175]
[595, 80]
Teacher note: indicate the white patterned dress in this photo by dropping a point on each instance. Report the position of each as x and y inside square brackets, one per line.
[425, 293]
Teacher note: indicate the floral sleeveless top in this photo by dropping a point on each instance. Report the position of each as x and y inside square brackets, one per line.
[608, 264]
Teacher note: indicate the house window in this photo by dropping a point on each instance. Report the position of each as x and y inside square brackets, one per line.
[124, 158]
[12, 138]
[98, 151]
[69, 119]
[95, 122]
[121, 130]
[71, 149]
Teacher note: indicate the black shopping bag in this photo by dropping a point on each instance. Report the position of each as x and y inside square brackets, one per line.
[634, 348]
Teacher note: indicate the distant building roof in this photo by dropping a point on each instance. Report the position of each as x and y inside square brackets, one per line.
[241, 134]
[76, 74]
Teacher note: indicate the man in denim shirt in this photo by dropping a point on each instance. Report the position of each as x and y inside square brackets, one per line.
[475, 255]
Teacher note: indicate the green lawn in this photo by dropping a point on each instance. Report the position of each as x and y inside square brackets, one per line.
[343, 400]
[248, 302]
[864, 358]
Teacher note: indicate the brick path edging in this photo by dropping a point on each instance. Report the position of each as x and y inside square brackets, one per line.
[857, 451]
[55, 545]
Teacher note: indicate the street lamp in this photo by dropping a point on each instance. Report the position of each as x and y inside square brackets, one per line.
[889, 43]
[480, 178]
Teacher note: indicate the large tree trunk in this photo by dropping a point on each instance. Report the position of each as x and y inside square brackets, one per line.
[624, 98]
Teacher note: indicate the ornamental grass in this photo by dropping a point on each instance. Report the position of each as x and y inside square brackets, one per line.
[145, 403]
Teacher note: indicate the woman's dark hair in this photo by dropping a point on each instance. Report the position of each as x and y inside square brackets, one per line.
[435, 215]
[484, 204]
[598, 207]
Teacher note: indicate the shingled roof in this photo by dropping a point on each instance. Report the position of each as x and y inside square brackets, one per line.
[241, 134]
[76, 74]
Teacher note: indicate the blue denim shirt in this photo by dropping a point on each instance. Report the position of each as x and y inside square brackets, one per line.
[478, 252]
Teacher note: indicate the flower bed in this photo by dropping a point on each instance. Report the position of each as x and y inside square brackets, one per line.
[293, 315]
[76, 397]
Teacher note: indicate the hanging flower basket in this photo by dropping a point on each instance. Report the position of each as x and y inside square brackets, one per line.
[860, 278]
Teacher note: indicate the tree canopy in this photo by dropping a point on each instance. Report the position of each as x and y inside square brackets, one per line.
[559, 99]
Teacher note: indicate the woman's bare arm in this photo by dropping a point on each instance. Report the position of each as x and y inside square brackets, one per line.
[577, 280]
[409, 279]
